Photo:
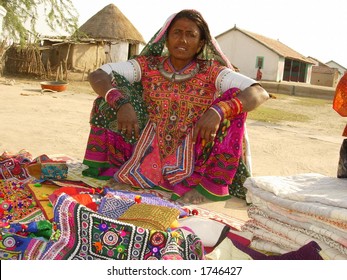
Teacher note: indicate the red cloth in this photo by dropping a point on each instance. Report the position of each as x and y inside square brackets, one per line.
[259, 75]
[80, 194]
[340, 99]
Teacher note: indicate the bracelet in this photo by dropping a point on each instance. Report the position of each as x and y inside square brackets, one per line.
[228, 109]
[225, 107]
[107, 92]
[239, 105]
[236, 106]
[218, 111]
[121, 102]
[115, 98]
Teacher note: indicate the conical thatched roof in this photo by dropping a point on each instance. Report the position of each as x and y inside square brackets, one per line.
[110, 24]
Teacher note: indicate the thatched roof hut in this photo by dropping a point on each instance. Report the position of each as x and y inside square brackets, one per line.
[108, 36]
[109, 24]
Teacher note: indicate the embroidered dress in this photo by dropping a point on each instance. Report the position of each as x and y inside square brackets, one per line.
[167, 109]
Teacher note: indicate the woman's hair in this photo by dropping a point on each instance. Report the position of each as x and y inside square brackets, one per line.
[196, 17]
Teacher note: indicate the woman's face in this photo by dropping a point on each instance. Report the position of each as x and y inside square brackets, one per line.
[183, 41]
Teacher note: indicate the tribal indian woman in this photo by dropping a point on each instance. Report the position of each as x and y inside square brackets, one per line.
[172, 118]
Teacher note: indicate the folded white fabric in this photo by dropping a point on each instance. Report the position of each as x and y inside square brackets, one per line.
[307, 187]
[227, 251]
[209, 231]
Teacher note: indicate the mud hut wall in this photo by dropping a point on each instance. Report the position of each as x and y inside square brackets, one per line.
[135, 49]
[116, 51]
[54, 55]
[87, 57]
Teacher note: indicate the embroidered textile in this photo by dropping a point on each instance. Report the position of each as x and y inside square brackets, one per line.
[80, 233]
[114, 206]
[85, 234]
[148, 216]
[17, 203]
[45, 168]
[17, 247]
[146, 198]
[12, 168]
[23, 156]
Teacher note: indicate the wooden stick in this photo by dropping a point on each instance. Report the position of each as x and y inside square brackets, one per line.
[84, 71]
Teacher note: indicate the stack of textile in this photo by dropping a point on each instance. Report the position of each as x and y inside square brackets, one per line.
[289, 212]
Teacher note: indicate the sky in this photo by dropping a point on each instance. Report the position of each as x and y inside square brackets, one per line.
[315, 28]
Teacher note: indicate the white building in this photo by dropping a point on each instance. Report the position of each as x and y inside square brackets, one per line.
[249, 51]
[323, 74]
[342, 70]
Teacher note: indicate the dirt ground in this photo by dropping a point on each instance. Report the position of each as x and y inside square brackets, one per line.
[57, 123]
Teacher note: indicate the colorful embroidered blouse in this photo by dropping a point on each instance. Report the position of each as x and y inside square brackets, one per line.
[174, 107]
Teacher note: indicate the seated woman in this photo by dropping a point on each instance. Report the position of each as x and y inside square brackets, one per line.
[173, 117]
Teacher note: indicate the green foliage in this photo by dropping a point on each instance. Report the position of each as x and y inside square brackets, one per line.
[22, 16]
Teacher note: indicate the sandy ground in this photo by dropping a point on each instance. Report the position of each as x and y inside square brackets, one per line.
[57, 123]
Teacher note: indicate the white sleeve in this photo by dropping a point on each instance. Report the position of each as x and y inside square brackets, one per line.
[228, 78]
[129, 69]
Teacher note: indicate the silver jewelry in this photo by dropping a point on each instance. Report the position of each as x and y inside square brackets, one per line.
[213, 134]
[176, 77]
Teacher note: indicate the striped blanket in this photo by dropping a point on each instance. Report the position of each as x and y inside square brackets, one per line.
[290, 211]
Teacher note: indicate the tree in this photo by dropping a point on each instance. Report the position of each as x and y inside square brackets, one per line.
[22, 16]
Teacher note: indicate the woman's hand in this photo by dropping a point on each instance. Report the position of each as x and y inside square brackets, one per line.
[127, 121]
[207, 126]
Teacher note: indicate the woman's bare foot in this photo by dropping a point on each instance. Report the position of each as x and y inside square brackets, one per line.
[193, 197]
[118, 186]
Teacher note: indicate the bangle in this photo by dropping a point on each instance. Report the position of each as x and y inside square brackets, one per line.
[239, 105]
[225, 107]
[236, 109]
[228, 109]
[107, 92]
[115, 98]
[218, 111]
[120, 103]
[236, 106]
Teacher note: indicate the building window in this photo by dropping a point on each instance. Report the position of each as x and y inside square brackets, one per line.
[259, 62]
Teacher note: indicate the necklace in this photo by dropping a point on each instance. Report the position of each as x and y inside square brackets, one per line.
[176, 76]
